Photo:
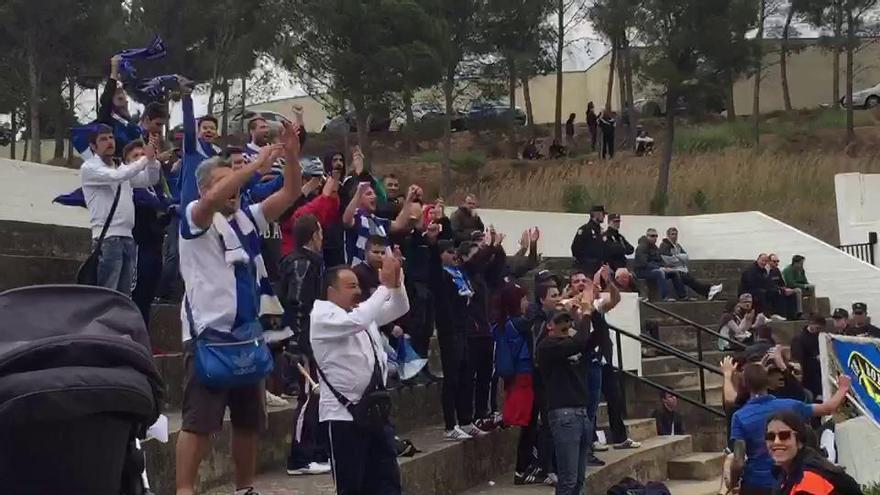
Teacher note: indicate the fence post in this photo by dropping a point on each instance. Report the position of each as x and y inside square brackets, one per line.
[872, 243]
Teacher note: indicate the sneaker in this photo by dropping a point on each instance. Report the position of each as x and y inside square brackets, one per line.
[273, 400]
[473, 431]
[551, 479]
[600, 447]
[527, 477]
[777, 318]
[670, 299]
[246, 491]
[487, 424]
[592, 460]
[692, 299]
[715, 290]
[312, 468]
[629, 443]
[457, 434]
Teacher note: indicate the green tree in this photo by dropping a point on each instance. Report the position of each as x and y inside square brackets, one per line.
[684, 51]
[614, 19]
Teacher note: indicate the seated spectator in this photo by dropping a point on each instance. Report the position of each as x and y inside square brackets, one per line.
[649, 266]
[676, 258]
[785, 300]
[798, 466]
[738, 323]
[667, 418]
[530, 151]
[748, 426]
[805, 350]
[465, 221]
[796, 278]
[617, 248]
[644, 143]
[756, 281]
[557, 150]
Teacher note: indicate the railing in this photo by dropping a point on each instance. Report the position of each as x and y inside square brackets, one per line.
[650, 341]
[864, 250]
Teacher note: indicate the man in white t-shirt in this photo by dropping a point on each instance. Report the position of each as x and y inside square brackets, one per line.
[101, 177]
[220, 263]
[348, 352]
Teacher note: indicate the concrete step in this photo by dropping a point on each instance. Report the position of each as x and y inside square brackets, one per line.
[694, 487]
[443, 468]
[637, 429]
[646, 463]
[640, 395]
[703, 312]
[685, 379]
[44, 240]
[696, 466]
[684, 337]
[23, 270]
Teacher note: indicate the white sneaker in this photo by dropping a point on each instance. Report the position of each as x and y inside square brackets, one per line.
[777, 318]
[273, 400]
[456, 435]
[715, 290]
[629, 443]
[473, 431]
[312, 468]
[600, 447]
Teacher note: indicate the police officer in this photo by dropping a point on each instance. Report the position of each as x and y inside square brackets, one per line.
[617, 248]
[588, 246]
[859, 325]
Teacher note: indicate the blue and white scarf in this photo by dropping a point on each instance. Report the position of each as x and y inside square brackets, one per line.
[368, 225]
[237, 254]
[461, 281]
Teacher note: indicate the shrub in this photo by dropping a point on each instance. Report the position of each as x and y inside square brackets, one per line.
[700, 201]
[576, 199]
[468, 162]
[712, 137]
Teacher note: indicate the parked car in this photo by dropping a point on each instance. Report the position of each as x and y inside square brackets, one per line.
[274, 119]
[866, 98]
[427, 111]
[480, 112]
[378, 123]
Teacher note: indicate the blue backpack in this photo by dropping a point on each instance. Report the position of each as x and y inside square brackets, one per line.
[511, 350]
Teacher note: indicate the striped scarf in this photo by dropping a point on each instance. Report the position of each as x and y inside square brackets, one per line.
[236, 253]
[461, 281]
[366, 227]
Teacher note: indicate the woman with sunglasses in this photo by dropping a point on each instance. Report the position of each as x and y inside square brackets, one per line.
[799, 467]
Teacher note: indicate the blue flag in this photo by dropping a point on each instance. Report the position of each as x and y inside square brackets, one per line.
[860, 359]
[155, 50]
[409, 363]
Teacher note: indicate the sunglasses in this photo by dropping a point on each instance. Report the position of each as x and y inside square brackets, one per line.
[652, 236]
[783, 436]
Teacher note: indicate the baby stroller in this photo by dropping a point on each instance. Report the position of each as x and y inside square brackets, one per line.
[78, 386]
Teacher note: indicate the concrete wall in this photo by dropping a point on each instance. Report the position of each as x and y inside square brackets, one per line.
[810, 78]
[857, 198]
[861, 461]
[27, 190]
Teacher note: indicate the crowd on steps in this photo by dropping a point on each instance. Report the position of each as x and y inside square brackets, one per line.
[338, 281]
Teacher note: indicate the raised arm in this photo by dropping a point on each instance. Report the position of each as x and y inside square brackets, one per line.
[833, 403]
[275, 205]
[351, 209]
[189, 121]
[96, 174]
[212, 199]
[105, 105]
[152, 171]
[403, 222]
[728, 392]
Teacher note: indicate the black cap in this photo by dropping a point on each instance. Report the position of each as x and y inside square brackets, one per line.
[560, 316]
[597, 209]
[859, 307]
[797, 258]
[445, 244]
[840, 313]
[613, 216]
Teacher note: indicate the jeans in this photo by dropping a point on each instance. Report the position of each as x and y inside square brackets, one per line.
[116, 267]
[662, 280]
[169, 286]
[572, 435]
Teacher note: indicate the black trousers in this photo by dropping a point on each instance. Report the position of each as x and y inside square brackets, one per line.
[420, 319]
[364, 462]
[458, 382]
[170, 283]
[535, 446]
[607, 144]
[700, 288]
[149, 270]
[616, 406]
[310, 441]
[481, 355]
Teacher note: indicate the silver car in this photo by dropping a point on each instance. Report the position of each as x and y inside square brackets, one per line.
[866, 98]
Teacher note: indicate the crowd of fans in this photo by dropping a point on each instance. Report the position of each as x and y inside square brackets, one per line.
[342, 272]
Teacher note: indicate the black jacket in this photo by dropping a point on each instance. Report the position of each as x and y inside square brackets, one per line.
[647, 256]
[617, 248]
[588, 247]
[452, 316]
[464, 223]
[668, 422]
[775, 276]
[300, 284]
[805, 350]
[755, 278]
[476, 270]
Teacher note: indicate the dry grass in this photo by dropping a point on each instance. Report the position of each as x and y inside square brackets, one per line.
[796, 188]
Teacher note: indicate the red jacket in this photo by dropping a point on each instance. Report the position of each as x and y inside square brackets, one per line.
[325, 209]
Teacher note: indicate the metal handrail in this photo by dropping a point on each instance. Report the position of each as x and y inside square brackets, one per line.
[663, 347]
[701, 328]
[668, 390]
